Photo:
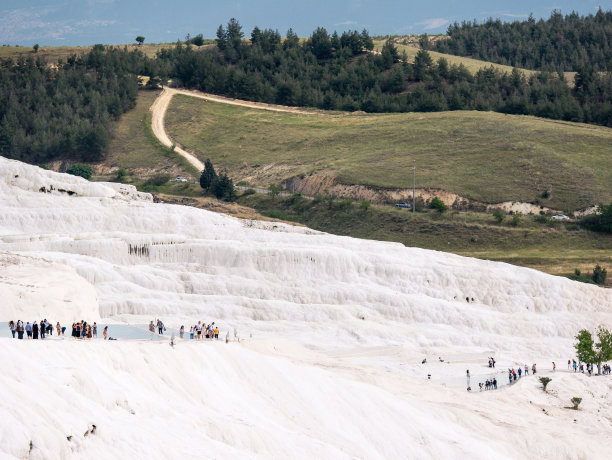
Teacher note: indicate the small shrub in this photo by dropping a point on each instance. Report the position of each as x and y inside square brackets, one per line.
[516, 220]
[576, 402]
[317, 199]
[541, 219]
[546, 194]
[157, 180]
[345, 204]
[296, 197]
[578, 276]
[275, 214]
[223, 188]
[438, 204]
[419, 204]
[499, 216]
[274, 190]
[364, 205]
[601, 221]
[599, 275]
[545, 381]
[121, 175]
[248, 192]
[81, 170]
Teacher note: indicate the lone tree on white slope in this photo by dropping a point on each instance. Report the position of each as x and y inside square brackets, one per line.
[594, 353]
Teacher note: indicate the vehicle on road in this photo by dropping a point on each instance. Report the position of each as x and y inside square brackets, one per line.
[180, 179]
[403, 205]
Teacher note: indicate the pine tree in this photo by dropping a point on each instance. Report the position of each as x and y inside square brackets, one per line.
[208, 176]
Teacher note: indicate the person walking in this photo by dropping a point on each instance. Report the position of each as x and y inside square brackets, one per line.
[105, 332]
[533, 369]
[42, 330]
[182, 331]
[94, 330]
[12, 327]
[58, 328]
[28, 329]
[554, 366]
[35, 330]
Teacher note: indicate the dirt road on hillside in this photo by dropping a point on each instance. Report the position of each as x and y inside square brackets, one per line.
[160, 106]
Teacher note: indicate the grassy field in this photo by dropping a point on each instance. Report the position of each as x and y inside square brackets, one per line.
[550, 246]
[473, 65]
[480, 155]
[54, 53]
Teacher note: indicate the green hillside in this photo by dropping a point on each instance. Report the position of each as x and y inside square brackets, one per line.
[473, 65]
[480, 155]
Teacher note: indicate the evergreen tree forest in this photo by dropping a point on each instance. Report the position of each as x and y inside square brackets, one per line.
[561, 43]
[69, 109]
[65, 110]
[339, 73]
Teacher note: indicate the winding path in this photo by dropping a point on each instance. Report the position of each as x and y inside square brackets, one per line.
[160, 106]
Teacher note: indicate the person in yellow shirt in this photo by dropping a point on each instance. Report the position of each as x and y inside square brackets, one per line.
[216, 333]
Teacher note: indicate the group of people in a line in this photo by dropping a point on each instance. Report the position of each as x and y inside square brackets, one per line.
[489, 384]
[201, 331]
[580, 367]
[513, 375]
[198, 331]
[35, 330]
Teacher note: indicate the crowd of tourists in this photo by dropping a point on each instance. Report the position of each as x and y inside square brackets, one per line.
[200, 331]
[35, 330]
[39, 330]
[580, 367]
[513, 376]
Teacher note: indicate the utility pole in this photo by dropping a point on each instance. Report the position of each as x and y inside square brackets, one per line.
[413, 180]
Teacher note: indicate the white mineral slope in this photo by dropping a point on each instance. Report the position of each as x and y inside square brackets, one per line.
[148, 400]
[339, 327]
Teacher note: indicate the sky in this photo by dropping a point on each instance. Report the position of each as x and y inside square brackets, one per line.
[86, 22]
